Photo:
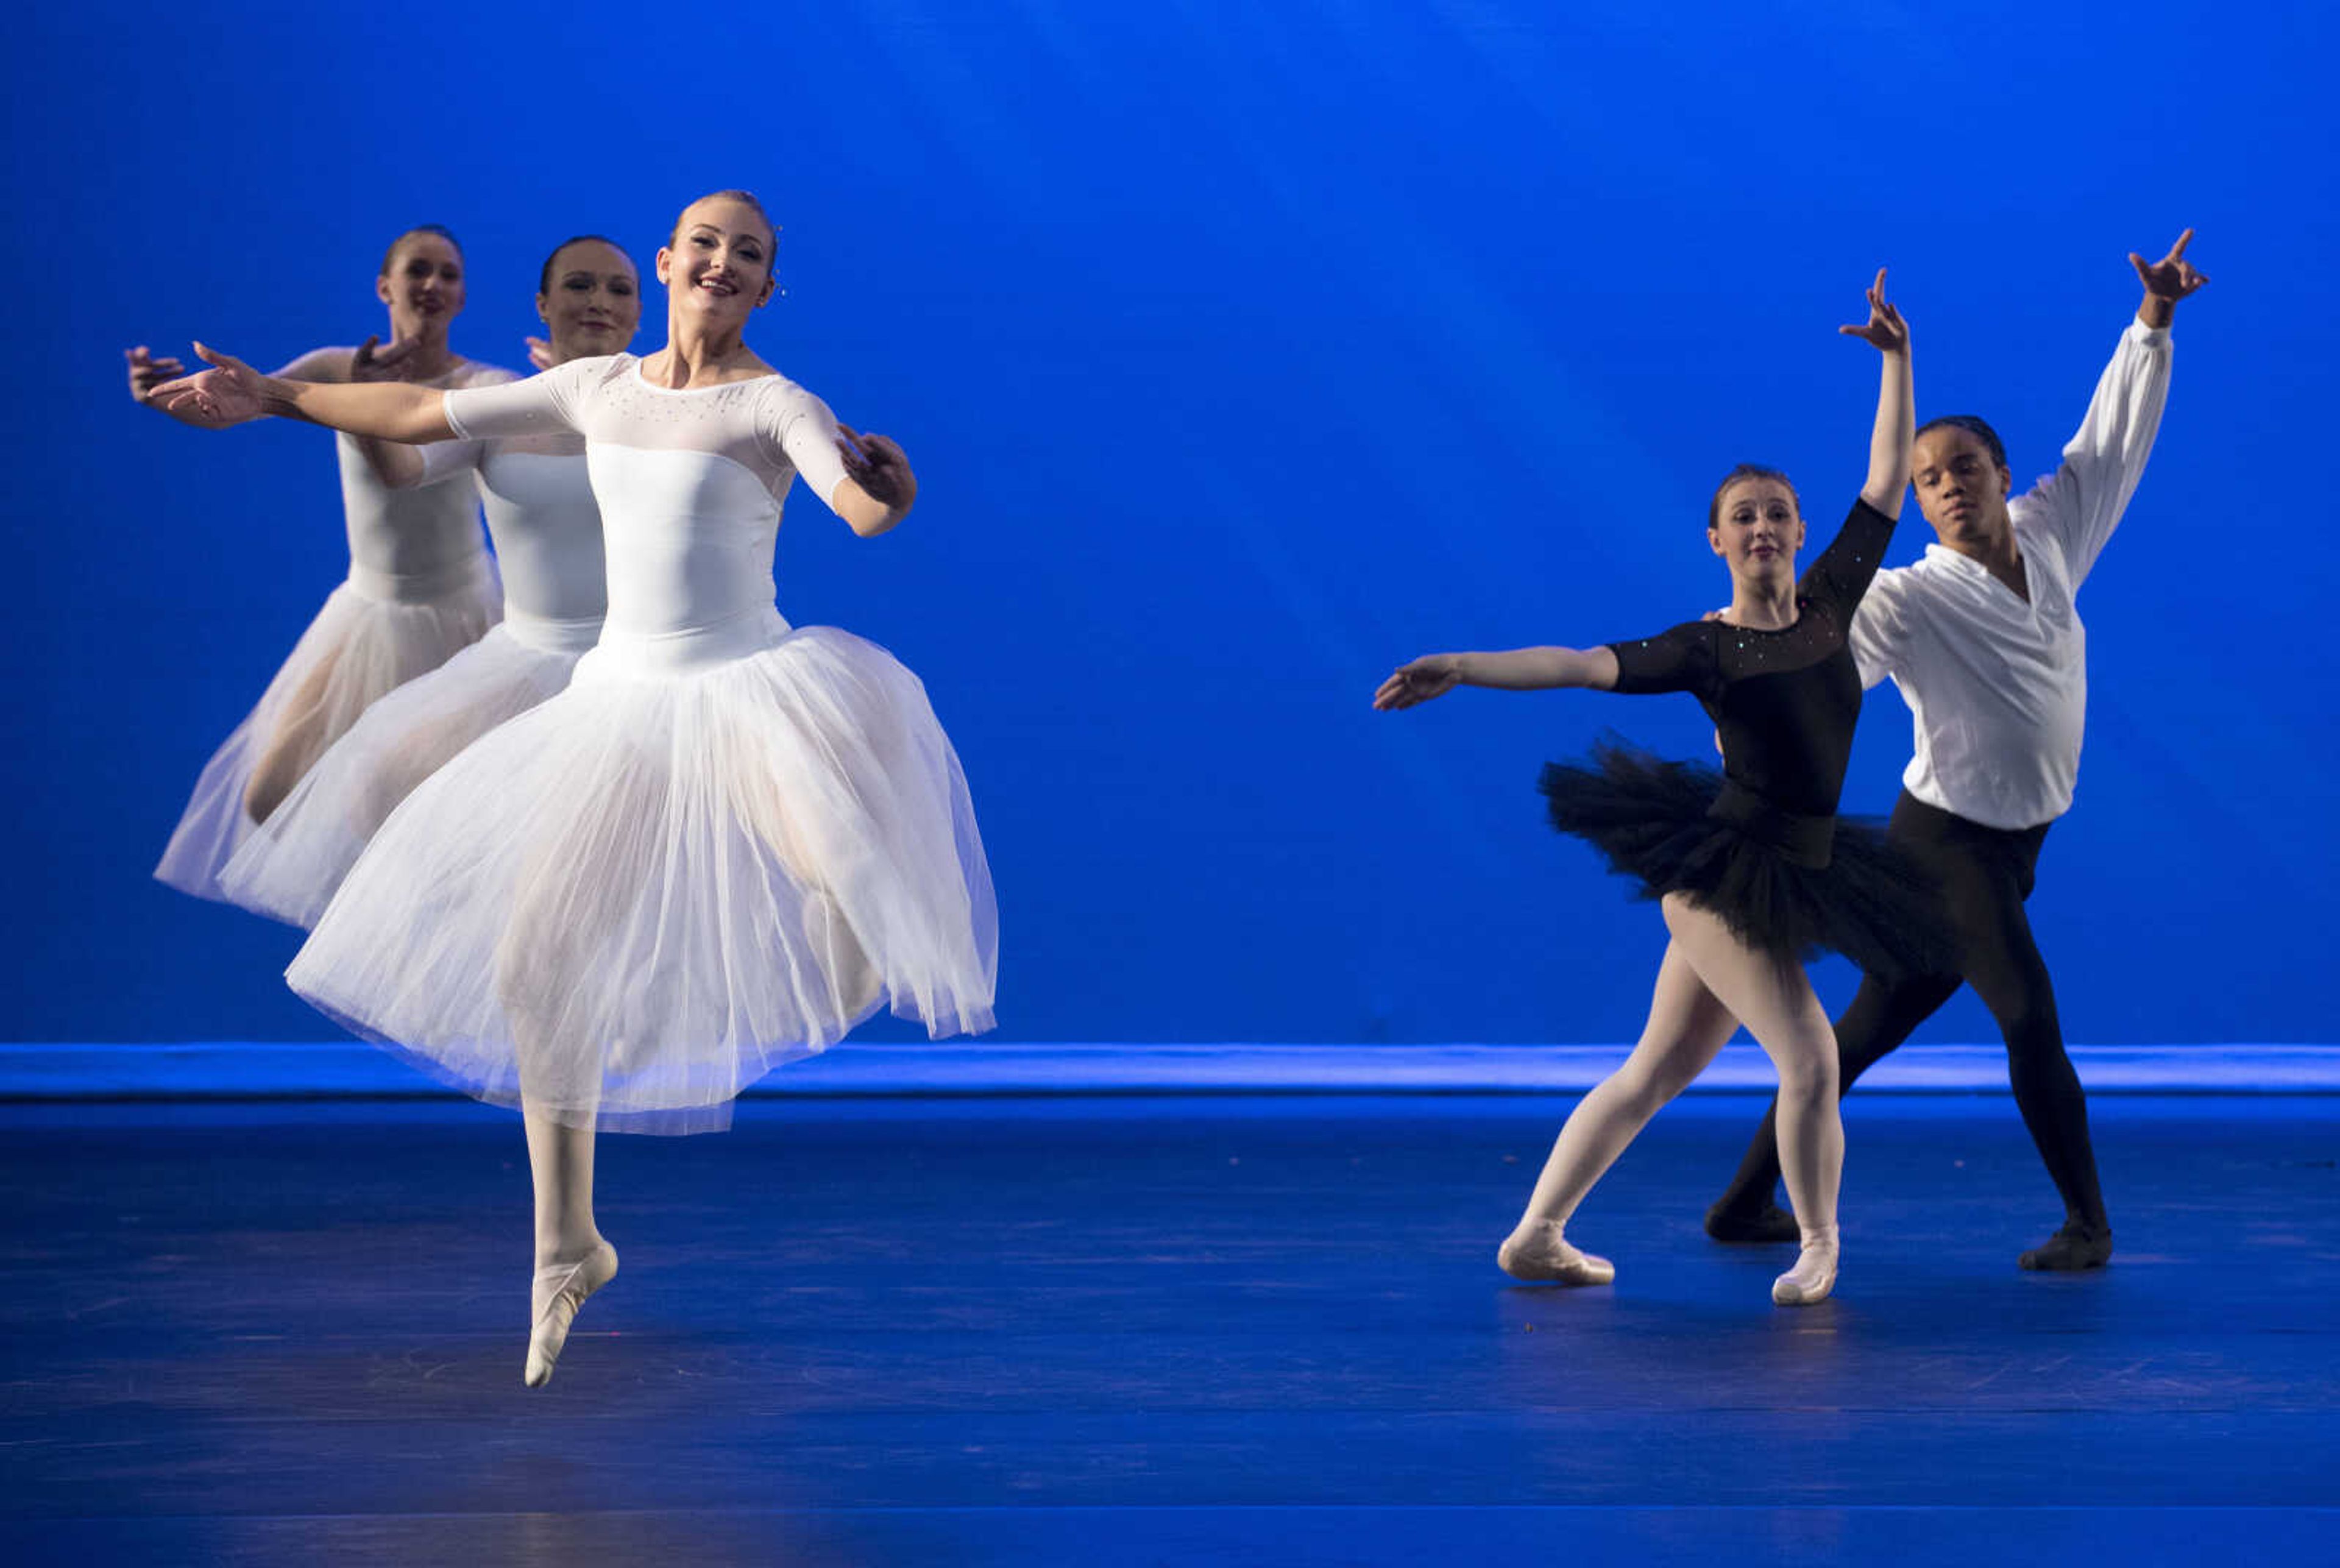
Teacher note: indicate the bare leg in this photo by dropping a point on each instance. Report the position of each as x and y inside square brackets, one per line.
[1775, 1001]
[1687, 1025]
[428, 748]
[572, 1261]
[293, 747]
[795, 837]
[1884, 1013]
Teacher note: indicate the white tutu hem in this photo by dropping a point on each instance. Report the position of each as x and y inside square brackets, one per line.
[630, 902]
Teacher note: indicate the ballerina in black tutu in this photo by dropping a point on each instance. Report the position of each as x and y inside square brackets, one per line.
[1754, 871]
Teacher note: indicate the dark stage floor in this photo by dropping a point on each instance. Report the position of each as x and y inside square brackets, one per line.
[1224, 1331]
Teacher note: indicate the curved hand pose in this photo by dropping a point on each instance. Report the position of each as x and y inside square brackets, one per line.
[421, 585]
[1752, 867]
[1985, 642]
[726, 842]
[547, 537]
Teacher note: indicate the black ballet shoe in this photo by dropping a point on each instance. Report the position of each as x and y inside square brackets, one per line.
[2076, 1247]
[1744, 1226]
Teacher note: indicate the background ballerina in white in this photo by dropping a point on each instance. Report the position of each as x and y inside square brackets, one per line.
[421, 585]
[547, 536]
[727, 842]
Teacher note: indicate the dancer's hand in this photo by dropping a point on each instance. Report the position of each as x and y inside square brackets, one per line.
[146, 375]
[230, 392]
[1885, 329]
[1419, 681]
[878, 466]
[373, 362]
[2166, 282]
[540, 354]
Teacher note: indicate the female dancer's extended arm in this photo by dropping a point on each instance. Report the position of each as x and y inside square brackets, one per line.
[232, 391]
[151, 377]
[1888, 441]
[1517, 670]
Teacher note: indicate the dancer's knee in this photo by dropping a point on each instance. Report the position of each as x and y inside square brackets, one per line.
[1808, 1080]
[395, 779]
[1664, 1083]
[265, 790]
[2036, 1059]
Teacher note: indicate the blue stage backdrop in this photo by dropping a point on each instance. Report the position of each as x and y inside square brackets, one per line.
[1244, 350]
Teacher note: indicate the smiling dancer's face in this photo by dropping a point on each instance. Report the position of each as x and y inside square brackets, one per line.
[719, 266]
[423, 286]
[595, 302]
[1758, 530]
[1961, 487]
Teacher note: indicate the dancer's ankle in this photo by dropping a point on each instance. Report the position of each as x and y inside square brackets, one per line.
[567, 1247]
[1814, 1276]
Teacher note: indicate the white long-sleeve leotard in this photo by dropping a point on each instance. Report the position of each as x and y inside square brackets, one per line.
[547, 529]
[412, 545]
[689, 483]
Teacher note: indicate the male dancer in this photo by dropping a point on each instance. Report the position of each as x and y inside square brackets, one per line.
[1982, 639]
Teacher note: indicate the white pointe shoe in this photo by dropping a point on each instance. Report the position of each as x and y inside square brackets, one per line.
[1536, 1251]
[554, 1297]
[1814, 1275]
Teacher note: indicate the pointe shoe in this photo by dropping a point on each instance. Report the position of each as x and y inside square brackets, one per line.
[1537, 1251]
[1814, 1275]
[556, 1294]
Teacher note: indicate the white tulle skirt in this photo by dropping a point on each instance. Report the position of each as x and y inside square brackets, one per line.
[361, 646]
[292, 864]
[635, 898]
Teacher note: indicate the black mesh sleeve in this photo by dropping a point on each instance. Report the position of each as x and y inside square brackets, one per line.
[1681, 660]
[1842, 573]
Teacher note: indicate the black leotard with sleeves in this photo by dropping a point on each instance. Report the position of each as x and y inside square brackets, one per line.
[1783, 702]
[1760, 844]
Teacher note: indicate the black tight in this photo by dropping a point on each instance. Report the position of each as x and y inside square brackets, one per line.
[1986, 875]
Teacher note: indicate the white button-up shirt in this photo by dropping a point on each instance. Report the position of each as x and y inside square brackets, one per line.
[1998, 687]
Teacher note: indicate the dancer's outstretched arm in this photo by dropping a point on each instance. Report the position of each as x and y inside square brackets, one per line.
[151, 377]
[397, 464]
[1517, 670]
[231, 391]
[2082, 503]
[1896, 427]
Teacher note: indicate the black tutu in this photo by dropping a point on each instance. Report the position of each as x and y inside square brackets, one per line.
[1784, 885]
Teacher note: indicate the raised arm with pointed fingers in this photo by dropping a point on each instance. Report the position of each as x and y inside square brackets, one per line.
[1896, 427]
[2166, 282]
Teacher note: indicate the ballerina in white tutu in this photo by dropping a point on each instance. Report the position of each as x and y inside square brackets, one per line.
[421, 584]
[547, 538]
[726, 843]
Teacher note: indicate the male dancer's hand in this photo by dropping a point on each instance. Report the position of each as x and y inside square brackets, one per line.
[2166, 282]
